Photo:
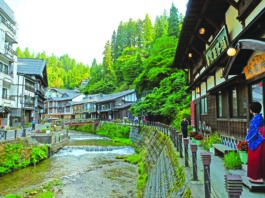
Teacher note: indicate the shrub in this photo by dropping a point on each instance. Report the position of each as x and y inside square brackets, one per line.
[212, 139]
[232, 161]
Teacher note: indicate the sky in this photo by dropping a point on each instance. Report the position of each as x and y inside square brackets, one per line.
[79, 28]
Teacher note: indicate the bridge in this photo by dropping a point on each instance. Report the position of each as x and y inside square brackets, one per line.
[79, 122]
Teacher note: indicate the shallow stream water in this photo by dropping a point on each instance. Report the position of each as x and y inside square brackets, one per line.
[86, 171]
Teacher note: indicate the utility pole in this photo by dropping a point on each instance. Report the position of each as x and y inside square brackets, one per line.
[22, 101]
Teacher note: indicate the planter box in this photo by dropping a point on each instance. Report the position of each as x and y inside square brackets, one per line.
[243, 156]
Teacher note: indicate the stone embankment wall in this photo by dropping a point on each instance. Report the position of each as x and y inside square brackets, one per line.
[165, 177]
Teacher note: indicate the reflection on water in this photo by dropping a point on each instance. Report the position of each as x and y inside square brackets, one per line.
[68, 161]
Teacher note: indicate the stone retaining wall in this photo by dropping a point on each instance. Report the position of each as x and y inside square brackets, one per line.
[165, 177]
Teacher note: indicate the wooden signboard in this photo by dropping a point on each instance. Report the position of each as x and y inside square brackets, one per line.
[255, 67]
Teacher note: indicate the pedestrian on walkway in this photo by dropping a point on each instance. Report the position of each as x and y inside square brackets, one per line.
[136, 119]
[33, 123]
[184, 127]
[256, 144]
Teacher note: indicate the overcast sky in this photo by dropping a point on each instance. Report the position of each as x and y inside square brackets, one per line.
[79, 28]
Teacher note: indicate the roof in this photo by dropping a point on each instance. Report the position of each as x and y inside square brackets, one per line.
[114, 96]
[100, 98]
[123, 106]
[200, 13]
[30, 66]
[35, 67]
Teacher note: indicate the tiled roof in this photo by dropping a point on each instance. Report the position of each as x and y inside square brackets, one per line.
[115, 95]
[71, 94]
[30, 66]
[123, 106]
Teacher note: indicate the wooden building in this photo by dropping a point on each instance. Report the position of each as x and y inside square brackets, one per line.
[223, 85]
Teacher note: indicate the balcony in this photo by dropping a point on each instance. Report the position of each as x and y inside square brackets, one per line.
[6, 97]
[9, 25]
[9, 52]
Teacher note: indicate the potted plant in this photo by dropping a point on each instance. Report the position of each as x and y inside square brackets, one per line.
[243, 151]
[209, 141]
[232, 161]
[199, 139]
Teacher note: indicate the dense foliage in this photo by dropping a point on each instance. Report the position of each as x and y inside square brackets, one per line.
[118, 133]
[16, 156]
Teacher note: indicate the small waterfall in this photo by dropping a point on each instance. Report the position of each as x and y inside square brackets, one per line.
[85, 150]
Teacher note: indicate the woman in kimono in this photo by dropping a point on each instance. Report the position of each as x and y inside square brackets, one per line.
[256, 144]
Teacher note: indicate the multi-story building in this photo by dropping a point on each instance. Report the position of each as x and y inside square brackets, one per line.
[69, 104]
[116, 106]
[31, 84]
[7, 62]
[222, 83]
[59, 103]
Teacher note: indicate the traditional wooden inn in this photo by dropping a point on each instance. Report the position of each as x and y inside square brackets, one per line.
[58, 103]
[69, 104]
[32, 83]
[222, 48]
[116, 106]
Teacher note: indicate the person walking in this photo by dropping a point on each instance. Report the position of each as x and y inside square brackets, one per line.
[136, 119]
[33, 124]
[256, 145]
[184, 127]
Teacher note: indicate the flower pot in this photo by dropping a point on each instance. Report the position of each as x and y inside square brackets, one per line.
[243, 156]
[198, 142]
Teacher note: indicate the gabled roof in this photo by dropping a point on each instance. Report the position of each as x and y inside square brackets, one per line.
[67, 94]
[36, 67]
[114, 96]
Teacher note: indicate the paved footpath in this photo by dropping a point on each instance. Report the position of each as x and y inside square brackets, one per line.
[217, 173]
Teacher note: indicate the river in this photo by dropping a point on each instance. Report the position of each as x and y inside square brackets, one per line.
[86, 171]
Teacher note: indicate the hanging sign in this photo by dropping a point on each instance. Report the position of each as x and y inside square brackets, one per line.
[255, 67]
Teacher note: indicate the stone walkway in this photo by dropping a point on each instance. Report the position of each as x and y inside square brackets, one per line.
[217, 173]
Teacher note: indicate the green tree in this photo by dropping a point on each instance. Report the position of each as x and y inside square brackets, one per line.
[161, 26]
[174, 22]
[148, 32]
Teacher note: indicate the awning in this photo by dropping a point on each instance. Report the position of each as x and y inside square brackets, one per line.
[4, 109]
[244, 49]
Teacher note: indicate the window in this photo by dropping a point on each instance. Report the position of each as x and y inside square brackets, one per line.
[233, 103]
[257, 93]
[4, 93]
[222, 105]
[67, 109]
[238, 102]
[204, 105]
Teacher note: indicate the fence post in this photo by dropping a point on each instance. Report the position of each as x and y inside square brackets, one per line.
[233, 185]
[23, 132]
[5, 133]
[177, 140]
[193, 148]
[180, 144]
[206, 160]
[15, 134]
[186, 143]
